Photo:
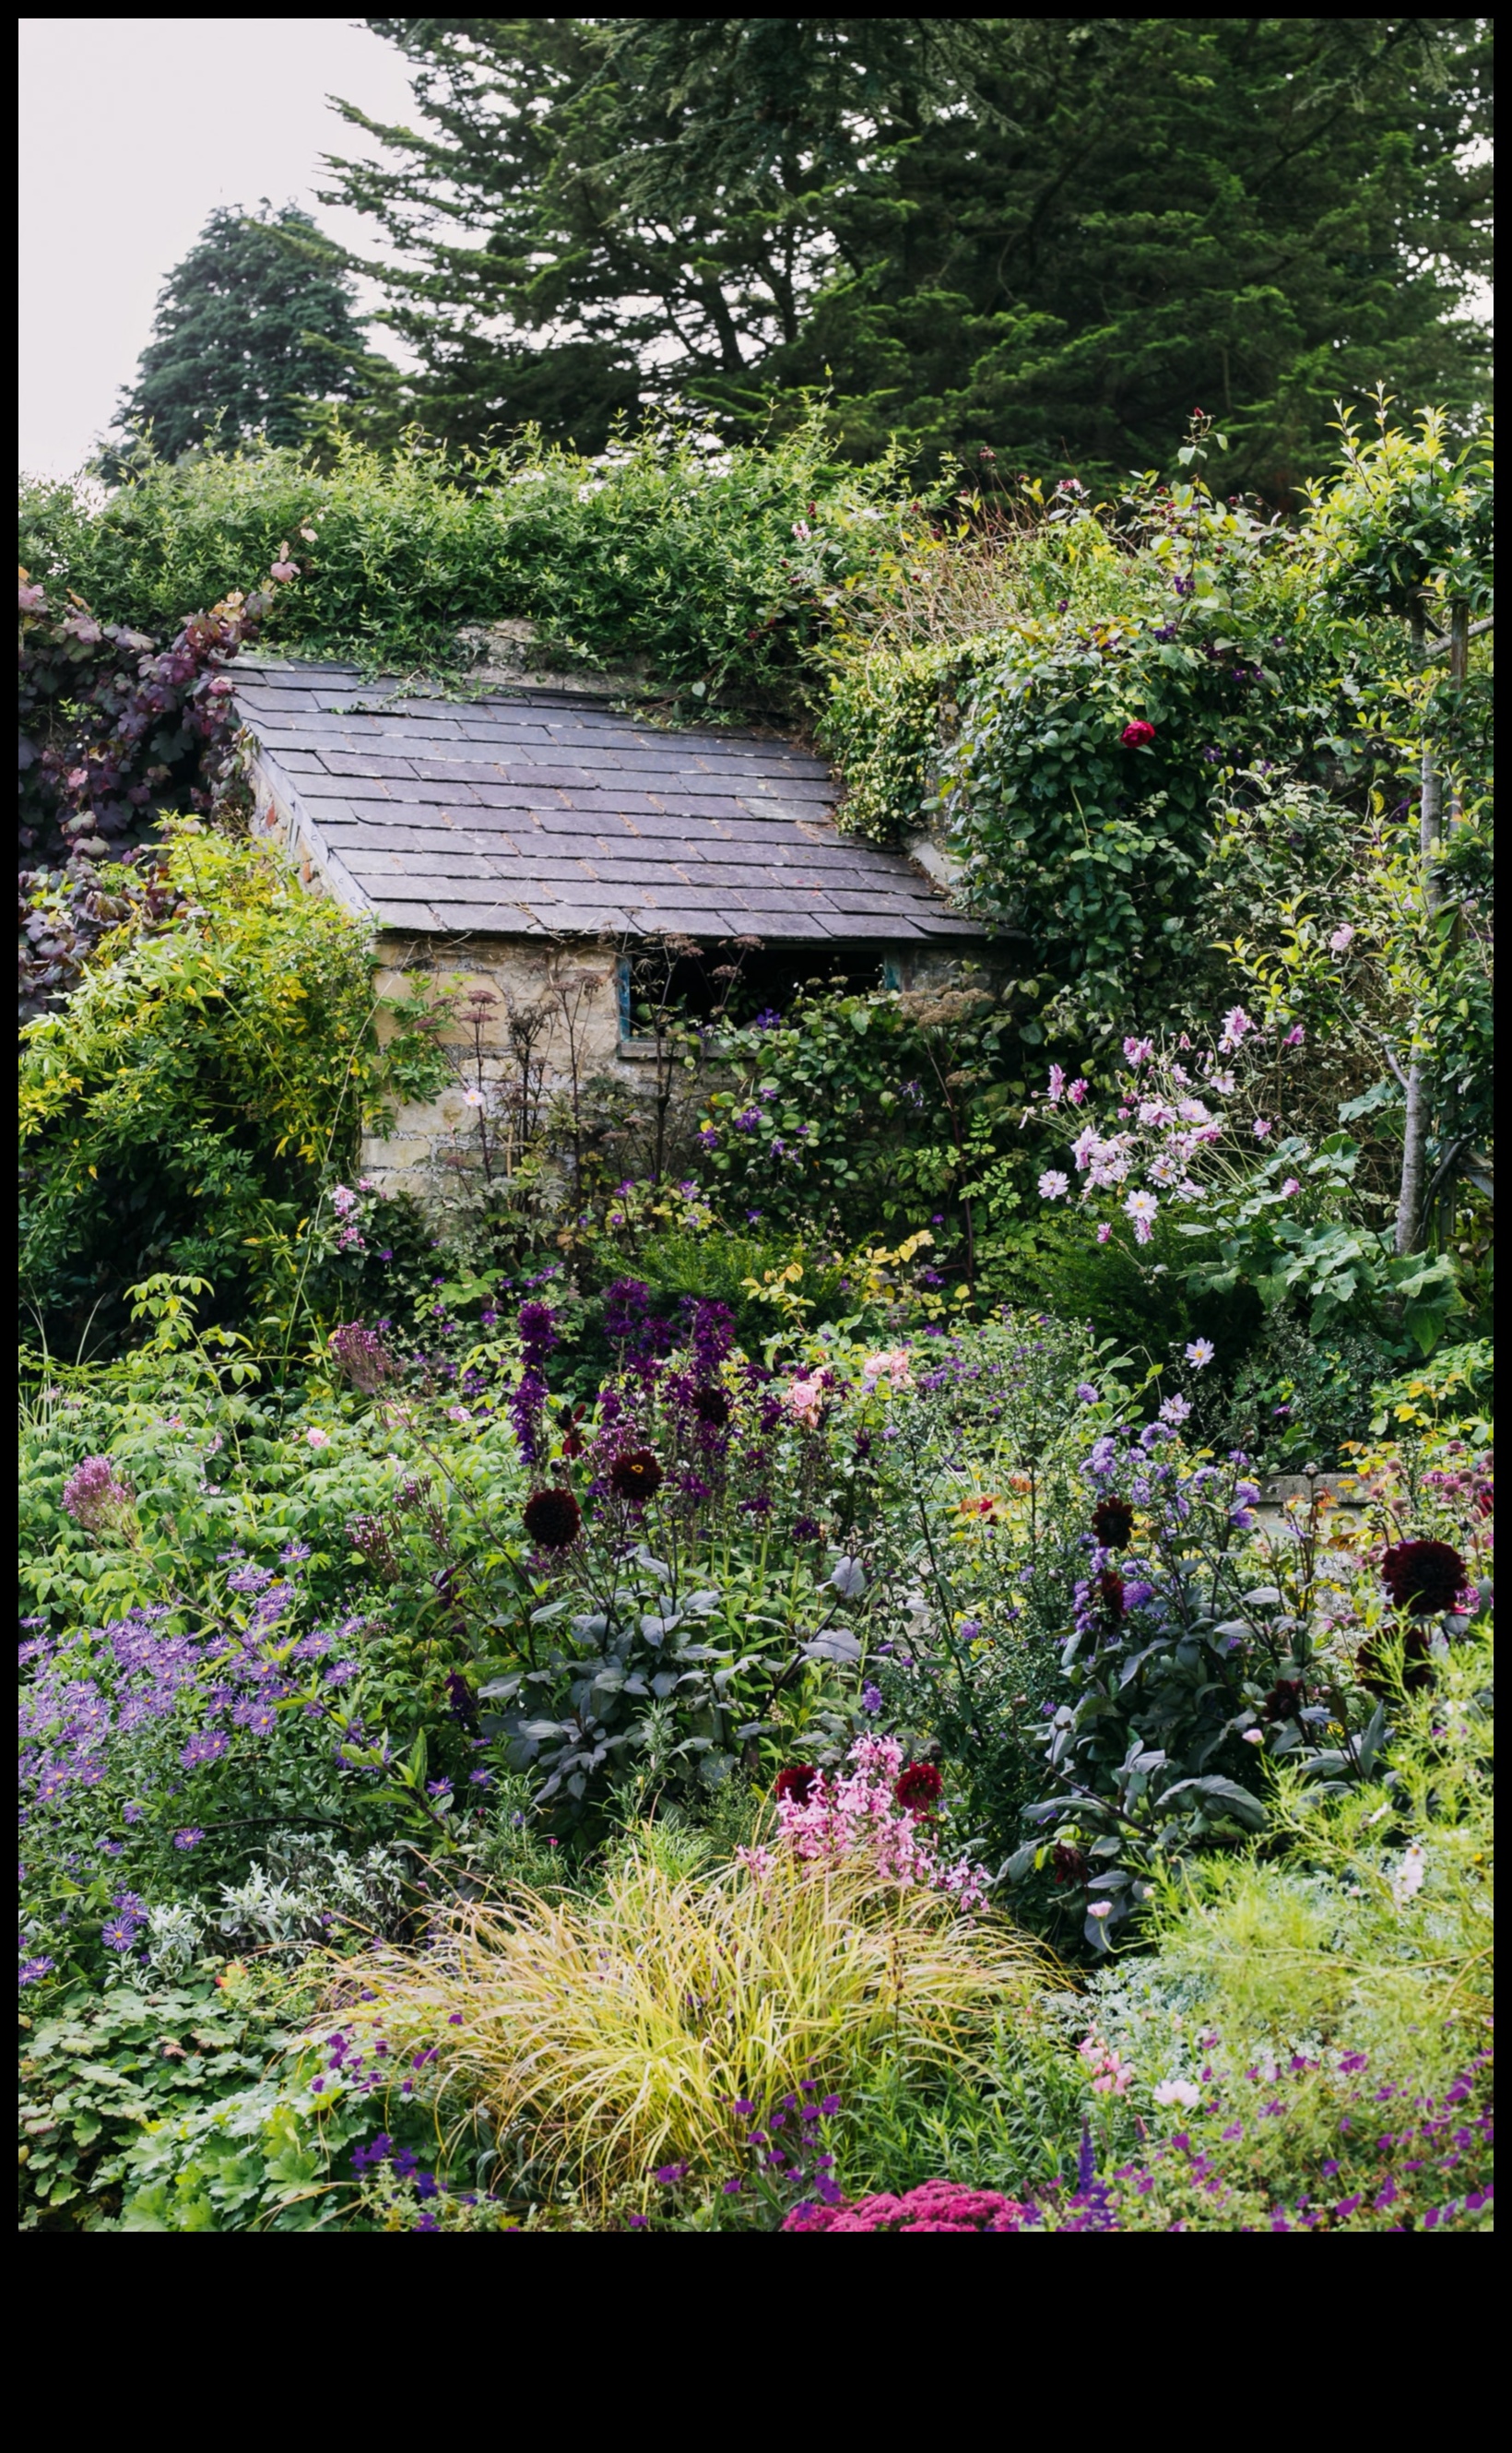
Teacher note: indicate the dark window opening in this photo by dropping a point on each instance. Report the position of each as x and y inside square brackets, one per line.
[730, 985]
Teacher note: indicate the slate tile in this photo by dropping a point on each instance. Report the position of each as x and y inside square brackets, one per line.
[861, 924]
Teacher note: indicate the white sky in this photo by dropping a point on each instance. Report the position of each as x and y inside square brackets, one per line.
[132, 129]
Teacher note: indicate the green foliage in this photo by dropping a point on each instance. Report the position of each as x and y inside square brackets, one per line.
[253, 327]
[205, 1078]
[1043, 236]
[668, 551]
[99, 2066]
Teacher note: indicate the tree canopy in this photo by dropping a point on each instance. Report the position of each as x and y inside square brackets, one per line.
[1042, 237]
[254, 324]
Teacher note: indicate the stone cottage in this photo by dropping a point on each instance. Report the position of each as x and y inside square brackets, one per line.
[535, 843]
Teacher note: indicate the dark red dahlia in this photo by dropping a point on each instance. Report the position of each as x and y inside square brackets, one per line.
[553, 1518]
[635, 1476]
[1283, 1703]
[711, 1405]
[1069, 1864]
[795, 1782]
[918, 1788]
[1113, 1521]
[1423, 1577]
[1110, 1592]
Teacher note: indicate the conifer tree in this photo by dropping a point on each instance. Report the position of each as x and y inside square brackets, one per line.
[252, 327]
[1050, 237]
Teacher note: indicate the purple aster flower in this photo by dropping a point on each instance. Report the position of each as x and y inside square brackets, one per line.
[190, 1837]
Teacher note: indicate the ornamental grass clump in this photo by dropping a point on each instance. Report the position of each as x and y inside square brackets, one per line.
[611, 2035]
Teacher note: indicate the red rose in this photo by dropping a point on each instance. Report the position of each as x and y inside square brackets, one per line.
[1135, 735]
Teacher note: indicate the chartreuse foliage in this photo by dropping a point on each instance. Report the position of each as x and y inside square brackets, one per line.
[625, 2029]
[203, 1082]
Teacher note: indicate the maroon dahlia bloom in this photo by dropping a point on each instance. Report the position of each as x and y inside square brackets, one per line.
[796, 1781]
[711, 1405]
[553, 1518]
[918, 1788]
[635, 1476]
[1110, 1592]
[1069, 1864]
[1423, 1577]
[1113, 1521]
[1283, 1703]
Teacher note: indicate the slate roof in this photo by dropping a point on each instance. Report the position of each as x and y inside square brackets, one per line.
[535, 812]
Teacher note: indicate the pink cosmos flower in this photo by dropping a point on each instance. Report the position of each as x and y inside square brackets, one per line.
[1053, 1184]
